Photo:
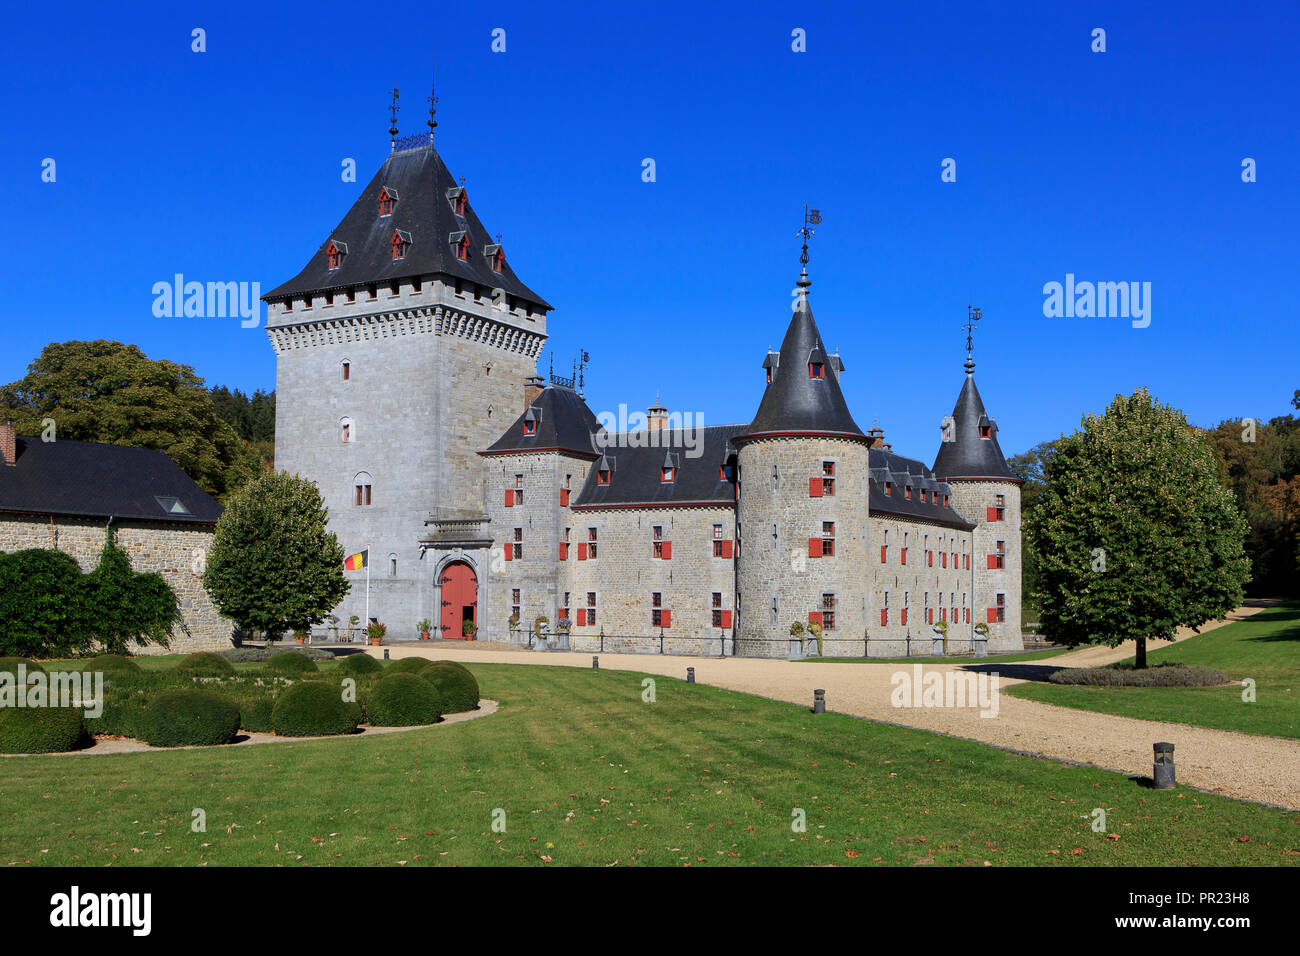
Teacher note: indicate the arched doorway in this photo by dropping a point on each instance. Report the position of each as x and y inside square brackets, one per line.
[459, 590]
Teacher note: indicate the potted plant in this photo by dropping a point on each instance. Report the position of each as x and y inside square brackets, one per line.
[300, 635]
[376, 631]
[562, 628]
[539, 627]
[815, 630]
[423, 627]
[468, 629]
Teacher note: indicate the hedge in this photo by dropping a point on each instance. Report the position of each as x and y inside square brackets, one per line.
[40, 730]
[314, 709]
[356, 664]
[458, 687]
[260, 655]
[111, 662]
[205, 664]
[407, 665]
[1168, 674]
[291, 662]
[182, 718]
[403, 700]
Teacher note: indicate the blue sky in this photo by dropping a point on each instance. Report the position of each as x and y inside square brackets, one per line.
[1116, 166]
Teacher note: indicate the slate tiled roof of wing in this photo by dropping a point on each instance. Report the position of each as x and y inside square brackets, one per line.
[563, 421]
[83, 478]
[423, 210]
[968, 455]
[635, 473]
[887, 466]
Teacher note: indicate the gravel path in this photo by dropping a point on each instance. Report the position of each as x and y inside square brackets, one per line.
[1251, 767]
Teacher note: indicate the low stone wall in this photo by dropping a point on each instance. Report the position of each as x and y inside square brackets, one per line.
[176, 551]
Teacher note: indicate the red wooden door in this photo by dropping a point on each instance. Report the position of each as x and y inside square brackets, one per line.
[459, 599]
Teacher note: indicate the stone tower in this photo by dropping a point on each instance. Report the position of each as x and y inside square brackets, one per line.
[986, 492]
[404, 341]
[801, 516]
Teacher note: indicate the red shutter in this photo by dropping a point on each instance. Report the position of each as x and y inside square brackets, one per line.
[993, 615]
[814, 617]
[903, 616]
[993, 560]
[993, 514]
[884, 615]
[929, 558]
[943, 558]
[726, 552]
[814, 487]
[510, 497]
[668, 550]
[564, 497]
[929, 615]
[814, 547]
[582, 552]
[564, 551]
[666, 618]
[726, 619]
[582, 617]
[510, 550]
[884, 553]
[905, 556]
[967, 568]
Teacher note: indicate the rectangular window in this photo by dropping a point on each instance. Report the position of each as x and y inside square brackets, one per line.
[591, 607]
[774, 612]
[591, 543]
[828, 538]
[889, 489]
[514, 602]
[363, 494]
[716, 605]
[347, 371]
[828, 612]
[519, 489]
[519, 544]
[828, 478]
[999, 558]
[656, 609]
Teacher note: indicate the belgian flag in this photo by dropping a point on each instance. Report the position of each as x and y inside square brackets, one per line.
[356, 562]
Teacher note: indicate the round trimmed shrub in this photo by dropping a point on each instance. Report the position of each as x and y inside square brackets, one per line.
[40, 730]
[290, 662]
[205, 664]
[403, 700]
[9, 665]
[182, 718]
[112, 662]
[314, 709]
[407, 665]
[455, 683]
[356, 664]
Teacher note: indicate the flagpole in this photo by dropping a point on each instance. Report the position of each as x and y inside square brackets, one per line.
[367, 589]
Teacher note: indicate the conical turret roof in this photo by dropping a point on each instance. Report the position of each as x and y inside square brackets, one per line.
[973, 451]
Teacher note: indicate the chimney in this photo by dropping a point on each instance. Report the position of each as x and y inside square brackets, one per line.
[533, 387]
[8, 442]
[656, 416]
[876, 438]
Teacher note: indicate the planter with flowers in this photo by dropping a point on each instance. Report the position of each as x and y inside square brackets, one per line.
[423, 627]
[376, 632]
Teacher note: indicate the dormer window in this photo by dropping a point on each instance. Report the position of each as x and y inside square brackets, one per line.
[986, 431]
[530, 428]
[460, 243]
[459, 200]
[401, 241]
[387, 200]
[889, 489]
[496, 257]
[602, 476]
[334, 253]
[666, 474]
[816, 369]
[907, 492]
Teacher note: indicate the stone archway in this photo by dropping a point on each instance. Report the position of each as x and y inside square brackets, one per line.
[458, 592]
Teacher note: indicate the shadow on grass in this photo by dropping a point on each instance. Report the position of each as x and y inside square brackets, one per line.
[1016, 671]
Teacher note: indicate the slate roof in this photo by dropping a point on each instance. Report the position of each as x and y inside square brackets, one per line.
[794, 401]
[635, 472]
[968, 455]
[886, 466]
[92, 480]
[424, 208]
[563, 421]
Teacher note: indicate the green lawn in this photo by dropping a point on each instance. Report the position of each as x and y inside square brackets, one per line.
[1265, 647]
[587, 773]
[969, 659]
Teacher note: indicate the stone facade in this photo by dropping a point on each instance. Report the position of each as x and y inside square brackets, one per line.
[177, 552]
[994, 578]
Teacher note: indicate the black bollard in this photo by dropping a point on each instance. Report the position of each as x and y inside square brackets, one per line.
[690, 675]
[1163, 771]
[819, 701]
[595, 662]
[385, 653]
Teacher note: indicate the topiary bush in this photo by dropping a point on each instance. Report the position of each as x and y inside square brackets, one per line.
[9, 665]
[40, 730]
[112, 662]
[291, 662]
[407, 665]
[314, 709]
[205, 664]
[403, 700]
[458, 687]
[260, 655]
[355, 665]
[1168, 674]
[183, 718]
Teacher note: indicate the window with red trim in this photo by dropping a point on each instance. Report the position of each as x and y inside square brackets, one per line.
[334, 255]
[666, 474]
[385, 203]
[498, 260]
[462, 248]
[400, 245]
[828, 478]
[828, 538]
[602, 476]
[986, 431]
[816, 370]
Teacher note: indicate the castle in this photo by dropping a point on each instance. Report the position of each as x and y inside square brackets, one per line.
[407, 389]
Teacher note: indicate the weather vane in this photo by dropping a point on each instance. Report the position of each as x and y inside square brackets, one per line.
[392, 113]
[811, 217]
[972, 316]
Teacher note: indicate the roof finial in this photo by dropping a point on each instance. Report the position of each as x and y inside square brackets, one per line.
[433, 99]
[392, 113]
[972, 316]
[811, 217]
